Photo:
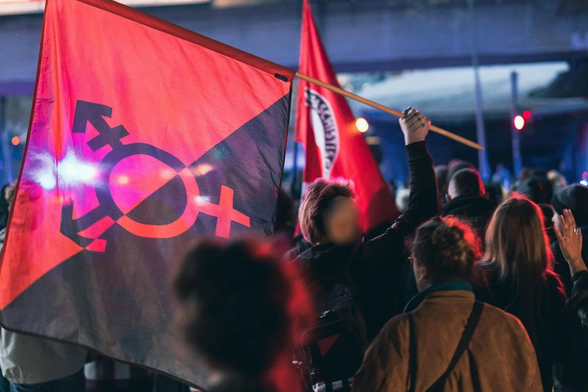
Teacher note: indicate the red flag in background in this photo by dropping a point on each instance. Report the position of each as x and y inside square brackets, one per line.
[326, 127]
[143, 137]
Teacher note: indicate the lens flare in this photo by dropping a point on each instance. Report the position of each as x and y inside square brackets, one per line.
[200, 200]
[47, 181]
[69, 171]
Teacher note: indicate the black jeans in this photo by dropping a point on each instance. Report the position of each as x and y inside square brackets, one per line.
[73, 383]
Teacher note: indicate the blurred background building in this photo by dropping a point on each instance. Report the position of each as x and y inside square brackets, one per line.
[395, 52]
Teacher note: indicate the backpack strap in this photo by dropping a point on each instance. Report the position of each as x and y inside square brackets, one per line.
[466, 337]
[412, 353]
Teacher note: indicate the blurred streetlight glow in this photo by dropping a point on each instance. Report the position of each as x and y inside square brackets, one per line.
[362, 125]
[519, 122]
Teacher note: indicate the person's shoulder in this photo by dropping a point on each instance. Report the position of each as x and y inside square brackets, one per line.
[499, 319]
[398, 325]
[493, 311]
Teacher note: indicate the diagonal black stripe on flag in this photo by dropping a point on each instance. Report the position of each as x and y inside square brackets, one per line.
[119, 302]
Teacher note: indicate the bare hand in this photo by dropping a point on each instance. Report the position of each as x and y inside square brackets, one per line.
[414, 125]
[570, 242]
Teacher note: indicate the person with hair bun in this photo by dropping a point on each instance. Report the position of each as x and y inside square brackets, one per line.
[240, 305]
[446, 340]
[521, 280]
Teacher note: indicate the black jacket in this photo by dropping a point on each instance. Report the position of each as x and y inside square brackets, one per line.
[379, 267]
[578, 302]
[552, 324]
[476, 211]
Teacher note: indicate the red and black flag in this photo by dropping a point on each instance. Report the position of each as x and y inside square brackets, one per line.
[325, 125]
[143, 137]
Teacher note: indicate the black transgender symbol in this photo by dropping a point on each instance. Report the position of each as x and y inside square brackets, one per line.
[109, 212]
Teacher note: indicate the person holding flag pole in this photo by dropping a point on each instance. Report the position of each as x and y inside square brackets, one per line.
[97, 221]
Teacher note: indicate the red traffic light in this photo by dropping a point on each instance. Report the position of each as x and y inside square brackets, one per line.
[519, 122]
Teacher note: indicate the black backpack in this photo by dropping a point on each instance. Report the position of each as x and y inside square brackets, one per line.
[332, 350]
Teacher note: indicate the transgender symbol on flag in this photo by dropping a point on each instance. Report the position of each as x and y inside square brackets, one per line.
[144, 138]
[86, 230]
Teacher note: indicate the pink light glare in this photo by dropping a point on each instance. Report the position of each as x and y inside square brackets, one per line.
[69, 171]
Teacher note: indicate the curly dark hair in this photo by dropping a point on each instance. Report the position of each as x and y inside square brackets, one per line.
[448, 248]
[236, 298]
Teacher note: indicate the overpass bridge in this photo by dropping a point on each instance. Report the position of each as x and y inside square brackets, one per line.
[360, 35]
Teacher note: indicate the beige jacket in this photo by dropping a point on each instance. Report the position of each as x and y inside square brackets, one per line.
[500, 356]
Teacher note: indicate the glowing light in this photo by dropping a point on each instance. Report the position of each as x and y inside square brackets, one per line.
[584, 182]
[15, 141]
[201, 170]
[527, 114]
[373, 140]
[123, 180]
[362, 125]
[199, 200]
[70, 170]
[47, 181]
[519, 122]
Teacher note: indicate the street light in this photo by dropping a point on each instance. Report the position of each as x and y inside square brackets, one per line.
[519, 122]
[362, 125]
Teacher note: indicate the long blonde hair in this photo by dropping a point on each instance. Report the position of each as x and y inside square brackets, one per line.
[516, 239]
[517, 247]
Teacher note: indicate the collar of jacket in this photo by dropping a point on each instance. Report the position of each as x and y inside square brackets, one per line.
[475, 205]
[447, 286]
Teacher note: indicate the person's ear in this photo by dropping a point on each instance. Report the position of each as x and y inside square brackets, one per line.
[423, 272]
[448, 198]
[420, 271]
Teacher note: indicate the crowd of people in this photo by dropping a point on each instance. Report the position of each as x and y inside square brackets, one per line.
[474, 287]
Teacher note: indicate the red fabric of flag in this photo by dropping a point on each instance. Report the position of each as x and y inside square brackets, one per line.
[143, 137]
[326, 127]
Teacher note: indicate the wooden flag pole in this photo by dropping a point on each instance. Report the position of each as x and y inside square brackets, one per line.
[386, 109]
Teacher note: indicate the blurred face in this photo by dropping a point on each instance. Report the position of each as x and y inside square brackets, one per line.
[342, 222]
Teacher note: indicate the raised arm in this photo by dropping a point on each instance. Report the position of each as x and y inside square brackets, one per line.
[570, 241]
[424, 202]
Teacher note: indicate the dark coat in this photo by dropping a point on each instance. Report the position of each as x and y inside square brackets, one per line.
[379, 267]
[578, 302]
[552, 325]
[476, 211]
[300, 245]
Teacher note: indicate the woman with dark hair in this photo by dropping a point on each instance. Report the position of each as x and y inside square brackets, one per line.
[416, 351]
[521, 280]
[239, 306]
